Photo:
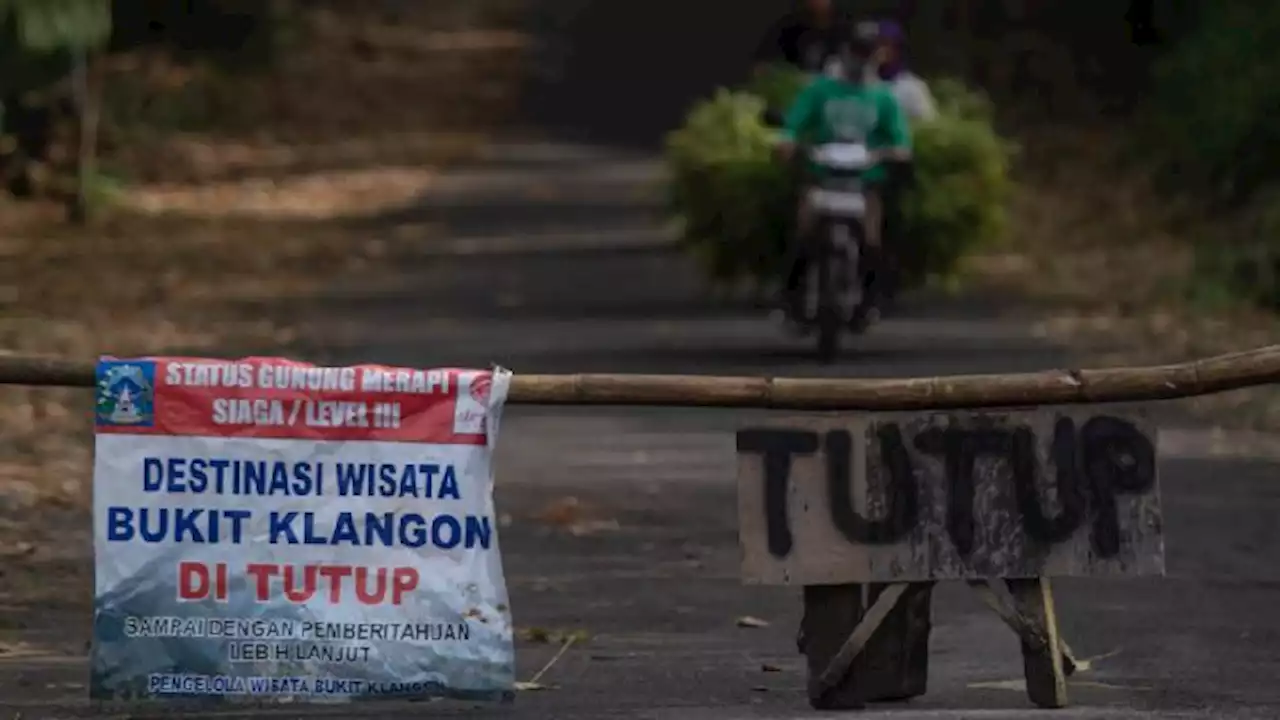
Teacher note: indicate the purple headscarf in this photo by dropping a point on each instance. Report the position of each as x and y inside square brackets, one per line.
[889, 32]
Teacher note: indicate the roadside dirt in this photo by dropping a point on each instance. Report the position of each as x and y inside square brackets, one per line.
[1112, 281]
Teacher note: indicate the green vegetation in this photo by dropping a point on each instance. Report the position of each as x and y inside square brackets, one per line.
[735, 200]
[34, 33]
[1214, 139]
[54, 25]
[54, 87]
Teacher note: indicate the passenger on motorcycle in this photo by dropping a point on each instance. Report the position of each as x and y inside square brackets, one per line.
[807, 38]
[918, 104]
[851, 108]
[891, 67]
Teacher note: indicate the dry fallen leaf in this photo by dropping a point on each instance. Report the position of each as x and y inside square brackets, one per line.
[592, 527]
[535, 634]
[562, 512]
[543, 635]
[22, 549]
[531, 686]
[574, 516]
[746, 621]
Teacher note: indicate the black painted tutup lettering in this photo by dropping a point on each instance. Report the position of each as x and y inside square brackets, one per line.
[777, 446]
[1118, 459]
[960, 449]
[901, 501]
[1026, 469]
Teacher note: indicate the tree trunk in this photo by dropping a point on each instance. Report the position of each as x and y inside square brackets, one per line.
[88, 106]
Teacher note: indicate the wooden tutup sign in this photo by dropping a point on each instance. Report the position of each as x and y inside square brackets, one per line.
[831, 499]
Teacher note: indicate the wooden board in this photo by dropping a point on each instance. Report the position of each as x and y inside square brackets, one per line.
[830, 499]
[893, 663]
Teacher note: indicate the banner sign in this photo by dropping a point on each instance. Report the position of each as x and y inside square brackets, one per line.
[268, 530]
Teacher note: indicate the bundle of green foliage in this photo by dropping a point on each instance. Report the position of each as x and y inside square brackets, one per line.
[777, 86]
[962, 185]
[727, 188]
[735, 200]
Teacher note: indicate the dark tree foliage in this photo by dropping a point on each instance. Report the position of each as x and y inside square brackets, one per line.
[235, 33]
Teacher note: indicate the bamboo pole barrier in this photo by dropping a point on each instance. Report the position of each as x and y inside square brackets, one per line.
[1053, 387]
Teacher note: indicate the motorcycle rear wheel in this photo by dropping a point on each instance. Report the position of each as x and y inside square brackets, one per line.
[832, 276]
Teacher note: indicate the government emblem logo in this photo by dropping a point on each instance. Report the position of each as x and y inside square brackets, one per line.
[125, 393]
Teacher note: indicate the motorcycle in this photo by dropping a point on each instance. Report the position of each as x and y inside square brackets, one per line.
[835, 282]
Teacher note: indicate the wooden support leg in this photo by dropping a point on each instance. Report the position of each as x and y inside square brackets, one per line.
[897, 660]
[998, 598]
[1041, 660]
[857, 653]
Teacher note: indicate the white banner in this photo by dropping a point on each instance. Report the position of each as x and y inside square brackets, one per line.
[269, 530]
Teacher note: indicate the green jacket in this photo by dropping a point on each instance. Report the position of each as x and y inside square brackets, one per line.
[830, 110]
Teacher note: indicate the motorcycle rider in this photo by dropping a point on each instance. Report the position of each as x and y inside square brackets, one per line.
[806, 38]
[851, 108]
